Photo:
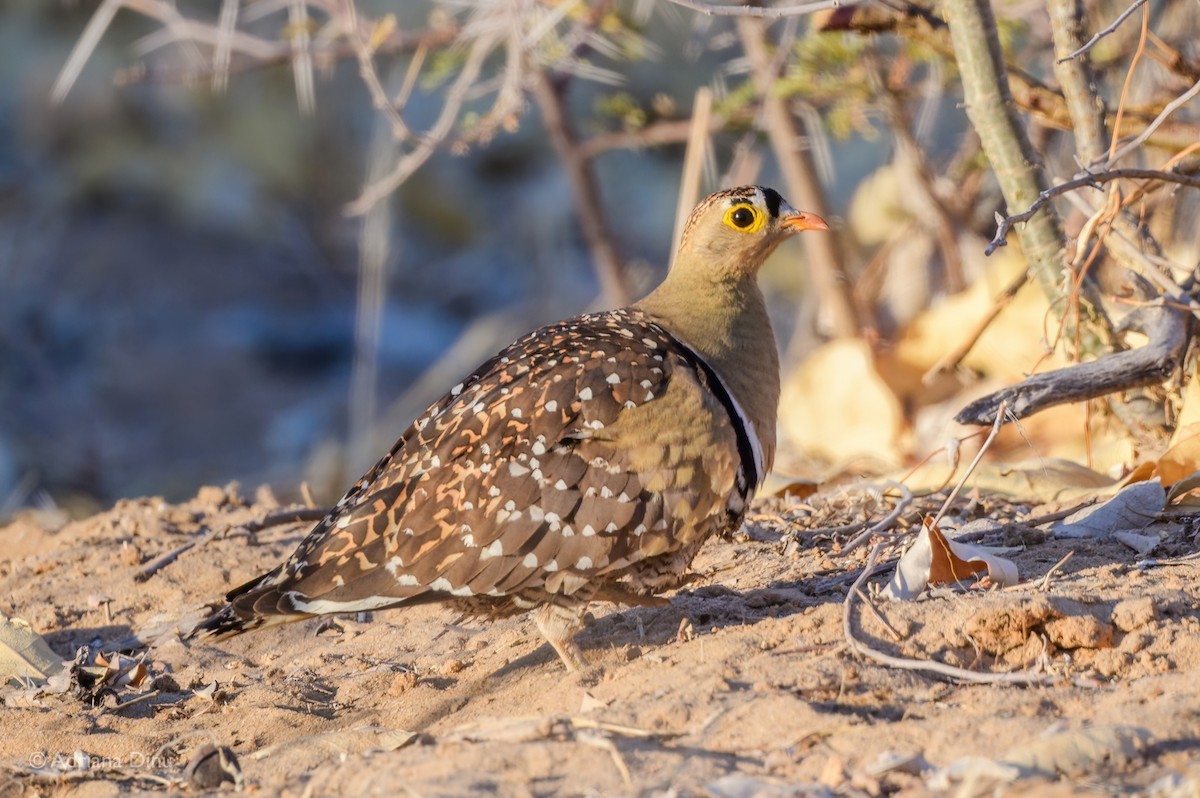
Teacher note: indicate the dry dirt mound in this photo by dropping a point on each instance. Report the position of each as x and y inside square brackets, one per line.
[759, 697]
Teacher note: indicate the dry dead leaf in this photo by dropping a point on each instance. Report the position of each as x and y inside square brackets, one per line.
[1178, 494]
[839, 382]
[933, 559]
[24, 654]
[1045, 480]
[1131, 510]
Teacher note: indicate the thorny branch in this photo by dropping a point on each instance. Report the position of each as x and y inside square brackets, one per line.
[1090, 180]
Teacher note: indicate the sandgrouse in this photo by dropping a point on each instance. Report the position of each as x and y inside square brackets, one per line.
[588, 460]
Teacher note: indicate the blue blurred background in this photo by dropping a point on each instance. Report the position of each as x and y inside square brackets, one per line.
[179, 280]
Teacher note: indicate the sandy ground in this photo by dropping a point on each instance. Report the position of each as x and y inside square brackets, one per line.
[760, 697]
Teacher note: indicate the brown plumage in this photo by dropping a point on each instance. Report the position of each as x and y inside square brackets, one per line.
[588, 460]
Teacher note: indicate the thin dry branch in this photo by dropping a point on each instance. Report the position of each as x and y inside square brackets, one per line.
[411, 161]
[1090, 180]
[1141, 138]
[1102, 33]
[951, 359]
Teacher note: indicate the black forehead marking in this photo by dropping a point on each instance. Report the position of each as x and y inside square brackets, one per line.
[774, 201]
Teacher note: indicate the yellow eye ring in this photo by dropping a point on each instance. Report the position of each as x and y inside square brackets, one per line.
[745, 218]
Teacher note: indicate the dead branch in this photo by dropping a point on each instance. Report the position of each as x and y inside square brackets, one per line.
[1166, 325]
[1093, 180]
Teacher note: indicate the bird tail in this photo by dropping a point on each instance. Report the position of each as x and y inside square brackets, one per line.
[256, 604]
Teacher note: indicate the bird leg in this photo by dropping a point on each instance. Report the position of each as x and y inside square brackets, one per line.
[558, 625]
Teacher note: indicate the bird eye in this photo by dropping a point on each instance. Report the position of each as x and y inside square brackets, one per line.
[745, 218]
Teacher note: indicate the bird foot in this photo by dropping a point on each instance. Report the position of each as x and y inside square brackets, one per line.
[558, 625]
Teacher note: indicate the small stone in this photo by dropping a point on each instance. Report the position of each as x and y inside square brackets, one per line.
[1134, 613]
[1135, 642]
[402, 682]
[452, 666]
[211, 767]
[1079, 631]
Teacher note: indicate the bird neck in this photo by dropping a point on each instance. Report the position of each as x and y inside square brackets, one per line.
[725, 322]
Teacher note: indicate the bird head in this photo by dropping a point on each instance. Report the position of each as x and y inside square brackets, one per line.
[731, 233]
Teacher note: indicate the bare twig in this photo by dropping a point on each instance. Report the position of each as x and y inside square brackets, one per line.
[1092, 180]
[84, 47]
[370, 76]
[1045, 585]
[159, 563]
[302, 62]
[1101, 34]
[291, 516]
[987, 442]
[760, 12]
[866, 602]
[411, 161]
[1170, 108]
[909, 664]
[610, 269]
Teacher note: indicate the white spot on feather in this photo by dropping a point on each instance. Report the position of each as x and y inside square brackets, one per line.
[551, 406]
[495, 549]
[530, 560]
[586, 394]
[584, 563]
[517, 470]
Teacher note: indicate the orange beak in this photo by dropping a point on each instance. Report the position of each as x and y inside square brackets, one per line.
[800, 220]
